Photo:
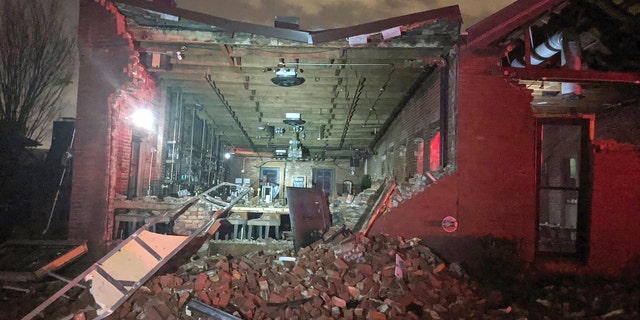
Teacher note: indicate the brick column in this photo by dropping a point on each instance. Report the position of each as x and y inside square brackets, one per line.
[103, 56]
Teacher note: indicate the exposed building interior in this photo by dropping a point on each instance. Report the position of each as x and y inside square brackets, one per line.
[328, 99]
[398, 168]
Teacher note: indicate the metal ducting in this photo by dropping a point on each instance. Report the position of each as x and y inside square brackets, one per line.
[570, 58]
[542, 52]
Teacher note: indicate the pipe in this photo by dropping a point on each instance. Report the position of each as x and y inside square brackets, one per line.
[570, 57]
[543, 51]
[571, 60]
[153, 152]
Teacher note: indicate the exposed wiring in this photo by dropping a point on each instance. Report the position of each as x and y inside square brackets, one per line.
[343, 64]
[372, 109]
[352, 109]
[232, 113]
[296, 53]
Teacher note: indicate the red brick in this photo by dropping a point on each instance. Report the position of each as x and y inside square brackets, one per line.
[224, 298]
[340, 264]
[299, 271]
[348, 314]
[375, 315]
[202, 282]
[152, 314]
[338, 302]
[365, 269]
[353, 292]
[276, 298]
[264, 284]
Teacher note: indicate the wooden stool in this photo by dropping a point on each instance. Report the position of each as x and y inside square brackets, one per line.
[265, 221]
[132, 222]
[164, 220]
[237, 222]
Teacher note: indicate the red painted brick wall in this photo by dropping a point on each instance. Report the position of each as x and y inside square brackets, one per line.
[496, 156]
[493, 188]
[615, 207]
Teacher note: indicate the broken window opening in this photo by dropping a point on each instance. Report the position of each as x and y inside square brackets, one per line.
[434, 153]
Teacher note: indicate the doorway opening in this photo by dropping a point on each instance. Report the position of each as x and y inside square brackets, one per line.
[564, 187]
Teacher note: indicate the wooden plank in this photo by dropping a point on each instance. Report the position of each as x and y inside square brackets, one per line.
[116, 276]
[371, 214]
[33, 259]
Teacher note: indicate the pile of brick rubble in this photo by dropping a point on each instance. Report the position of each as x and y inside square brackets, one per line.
[338, 277]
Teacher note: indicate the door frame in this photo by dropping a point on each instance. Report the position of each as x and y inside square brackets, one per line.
[585, 189]
[331, 183]
[281, 176]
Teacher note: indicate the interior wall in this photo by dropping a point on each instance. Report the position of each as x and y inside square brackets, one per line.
[418, 120]
[249, 167]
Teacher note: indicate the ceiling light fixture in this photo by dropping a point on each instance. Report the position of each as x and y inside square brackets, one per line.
[287, 77]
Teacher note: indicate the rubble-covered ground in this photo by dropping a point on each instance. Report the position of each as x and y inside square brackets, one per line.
[342, 277]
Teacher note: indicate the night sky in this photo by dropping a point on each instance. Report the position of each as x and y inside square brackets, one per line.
[328, 14]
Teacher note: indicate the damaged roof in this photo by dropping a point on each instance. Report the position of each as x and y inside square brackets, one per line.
[606, 29]
[605, 63]
[245, 80]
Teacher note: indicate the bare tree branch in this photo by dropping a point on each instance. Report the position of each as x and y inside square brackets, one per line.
[36, 65]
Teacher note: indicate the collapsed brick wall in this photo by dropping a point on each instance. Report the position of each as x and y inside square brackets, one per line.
[493, 190]
[349, 213]
[193, 218]
[335, 278]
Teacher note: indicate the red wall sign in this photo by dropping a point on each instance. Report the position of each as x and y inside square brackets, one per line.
[449, 224]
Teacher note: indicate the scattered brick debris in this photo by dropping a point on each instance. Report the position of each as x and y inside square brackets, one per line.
[376, 277]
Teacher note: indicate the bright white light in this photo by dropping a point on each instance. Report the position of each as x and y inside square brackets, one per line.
[143, 118]
[227, 156]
